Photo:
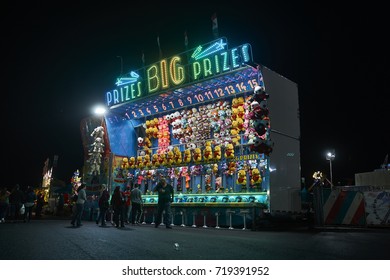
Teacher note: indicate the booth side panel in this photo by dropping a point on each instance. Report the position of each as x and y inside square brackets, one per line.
[285, 180]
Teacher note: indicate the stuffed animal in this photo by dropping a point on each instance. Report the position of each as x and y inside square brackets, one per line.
[217, 152]
[177, 155]
[260, 126]
[162, 159]
[125, 163]
[155, 162]
[260, 94]
[98, 132]
[98, 146]
[147, 142]
[232, 168]
[229, 151]
[235, 137]
[132, 162]
[262, 146]
[256, 178]
[197, 155]
[170, 158]
[187, 156]
[241, 177]
[208, 153]
[215, 169]
[140, 141]
[139, 163]
[147, 162]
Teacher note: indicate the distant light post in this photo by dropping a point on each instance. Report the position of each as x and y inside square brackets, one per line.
[330, 156]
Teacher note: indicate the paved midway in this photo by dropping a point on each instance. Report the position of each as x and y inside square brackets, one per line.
[58, 240]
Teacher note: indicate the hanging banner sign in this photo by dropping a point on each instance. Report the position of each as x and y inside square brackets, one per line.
[198, 64]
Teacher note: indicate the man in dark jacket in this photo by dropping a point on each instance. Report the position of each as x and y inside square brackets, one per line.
[16, 200]
[165, 198]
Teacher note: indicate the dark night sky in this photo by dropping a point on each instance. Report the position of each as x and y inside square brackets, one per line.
[61, 58]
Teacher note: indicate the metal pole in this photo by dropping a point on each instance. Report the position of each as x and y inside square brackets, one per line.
[331, 176]
[118, 56]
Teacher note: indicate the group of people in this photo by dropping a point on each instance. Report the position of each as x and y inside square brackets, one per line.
[121, 203]
[11, 203]
[124, 203]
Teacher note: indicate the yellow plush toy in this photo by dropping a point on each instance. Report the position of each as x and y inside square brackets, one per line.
[147, 142]
[187, 156]
[197, 155]
[256, 178]
[147, 162]
[235, 136]
[132, 162]
[241, 179]
[208, 153]
[170, 159]
[125, 163]
[177, 155]
[139, 164]
[155, 162]
[229, 151]
[215, 168]
[217, 152]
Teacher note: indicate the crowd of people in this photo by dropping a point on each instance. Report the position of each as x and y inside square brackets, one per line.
[125, 207]
[120, 209]
[17, 204]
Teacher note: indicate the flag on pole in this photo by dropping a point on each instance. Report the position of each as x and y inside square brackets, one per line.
[45, 167]
[159, 47]
[185, 39]
[214, 25]
[55, 161]
[385, 162]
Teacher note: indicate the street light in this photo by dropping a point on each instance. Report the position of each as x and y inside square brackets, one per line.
[330, 156]
[100, 110]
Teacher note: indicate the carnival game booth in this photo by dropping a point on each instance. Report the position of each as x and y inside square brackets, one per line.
[201, 120]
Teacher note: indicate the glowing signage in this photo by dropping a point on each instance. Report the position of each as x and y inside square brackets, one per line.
[195, 65]
[177, 103]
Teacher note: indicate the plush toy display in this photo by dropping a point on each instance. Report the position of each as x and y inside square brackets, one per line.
[96, 151]
[209, 139]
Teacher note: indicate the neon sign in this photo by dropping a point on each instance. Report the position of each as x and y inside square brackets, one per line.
[195, 65]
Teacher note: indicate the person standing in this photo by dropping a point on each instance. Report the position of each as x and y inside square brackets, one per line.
[31, 197]
[118, 205]
[103, 206]
[136, 205]
[127, 194]
[60, 206]
[81, 198]
[16, 200]
[4, 203]
[40, 204]
[165, 198]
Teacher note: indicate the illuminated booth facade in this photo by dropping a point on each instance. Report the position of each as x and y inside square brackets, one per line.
[200, 119]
